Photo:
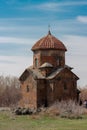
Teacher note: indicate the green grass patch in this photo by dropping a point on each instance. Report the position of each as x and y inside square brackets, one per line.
[8, 121]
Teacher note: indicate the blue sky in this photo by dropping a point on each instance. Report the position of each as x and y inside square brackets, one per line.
[23, 22]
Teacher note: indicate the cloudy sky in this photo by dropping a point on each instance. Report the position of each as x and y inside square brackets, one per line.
[23, 22]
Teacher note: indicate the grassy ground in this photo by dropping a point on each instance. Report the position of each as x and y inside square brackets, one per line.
[37, 122]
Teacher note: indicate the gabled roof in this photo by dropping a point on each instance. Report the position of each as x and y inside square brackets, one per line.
[30, 71]
[69, 67]
[36, 73]
[58, 71]
[49, 42]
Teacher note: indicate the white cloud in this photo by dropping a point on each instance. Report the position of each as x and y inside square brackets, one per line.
[54, 6]
[49, 6]
[16, 40]
[76, 56]
[82, 19]
[79, 43]
[10, 2]
[14, 65]
[17, 19]
[79, 63]
[20, 28]
[75, 3]
[59, 6]
[7, 28]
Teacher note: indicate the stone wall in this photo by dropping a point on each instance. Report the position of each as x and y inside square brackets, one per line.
[56, 58]
[63, 87]
[44, 92]
[41, 93]
[29, 93]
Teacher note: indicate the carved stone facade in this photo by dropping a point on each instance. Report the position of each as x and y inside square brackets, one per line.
[49, 79]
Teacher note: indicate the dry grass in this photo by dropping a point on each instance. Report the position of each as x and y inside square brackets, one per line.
[83, 94]
[36, 116]
[84, 111]
[39, 122]
[52, 111]
[69, 109]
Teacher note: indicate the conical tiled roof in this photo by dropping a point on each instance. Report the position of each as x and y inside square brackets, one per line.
[49, 42]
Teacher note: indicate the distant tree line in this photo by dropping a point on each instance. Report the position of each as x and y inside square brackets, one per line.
[9, 91]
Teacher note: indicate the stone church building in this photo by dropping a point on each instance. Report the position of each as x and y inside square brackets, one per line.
[49, 79]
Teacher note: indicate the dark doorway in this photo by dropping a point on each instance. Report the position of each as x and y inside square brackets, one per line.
[46, 104]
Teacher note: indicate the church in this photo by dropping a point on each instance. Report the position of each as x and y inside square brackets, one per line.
[49, 79]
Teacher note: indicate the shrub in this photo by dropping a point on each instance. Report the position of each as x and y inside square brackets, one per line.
[67, 109]
[83, 94]
[52, 111]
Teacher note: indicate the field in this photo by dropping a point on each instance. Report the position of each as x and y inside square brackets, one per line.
[8, 121]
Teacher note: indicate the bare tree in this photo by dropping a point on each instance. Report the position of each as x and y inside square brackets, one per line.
[9, 91]
[83, 94]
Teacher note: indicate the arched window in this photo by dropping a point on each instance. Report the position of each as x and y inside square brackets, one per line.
[58, 61]
[36, 62]
[27, 88]
[65, 86]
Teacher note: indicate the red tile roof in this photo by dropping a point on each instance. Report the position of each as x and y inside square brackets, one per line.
[49, 42]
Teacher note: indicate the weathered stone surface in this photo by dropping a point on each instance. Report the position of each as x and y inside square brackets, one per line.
[40, 87]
